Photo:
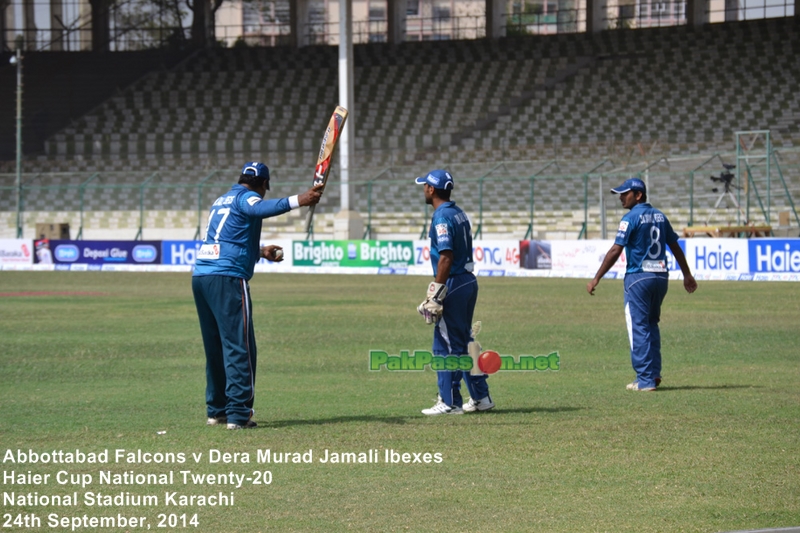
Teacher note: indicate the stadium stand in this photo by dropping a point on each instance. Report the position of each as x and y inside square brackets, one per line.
[624, 97]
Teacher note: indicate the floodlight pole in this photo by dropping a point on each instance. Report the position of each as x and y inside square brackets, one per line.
[18, 60]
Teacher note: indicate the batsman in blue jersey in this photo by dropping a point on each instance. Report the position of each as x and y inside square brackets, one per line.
[225, 263]
[451, 298]
[645, 234]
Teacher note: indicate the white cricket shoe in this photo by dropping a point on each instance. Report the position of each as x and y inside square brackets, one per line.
[217, 421]
[635, 387]
[441, 408]
[478, 405]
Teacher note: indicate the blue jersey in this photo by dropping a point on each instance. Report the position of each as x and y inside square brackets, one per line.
[231, 244]
[450, 230]
[645, 233]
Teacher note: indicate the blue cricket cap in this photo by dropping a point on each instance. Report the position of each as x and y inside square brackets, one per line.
[259, 170]
[633, 184]
[438, 179]
[254, 168]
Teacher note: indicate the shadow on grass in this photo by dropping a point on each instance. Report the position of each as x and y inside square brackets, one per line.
[399, 420]
[527, 410]
[334, 420]
[714, 387]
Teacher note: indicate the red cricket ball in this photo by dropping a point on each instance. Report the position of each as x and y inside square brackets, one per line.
[489, 362]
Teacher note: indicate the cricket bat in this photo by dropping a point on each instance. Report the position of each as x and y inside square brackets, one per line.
[326, 150]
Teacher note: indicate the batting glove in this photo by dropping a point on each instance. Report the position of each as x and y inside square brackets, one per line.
[431, 309]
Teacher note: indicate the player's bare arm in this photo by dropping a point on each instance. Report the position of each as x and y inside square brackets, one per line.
[689, 283]
[311, 196]
[611, 257]
[445, 264]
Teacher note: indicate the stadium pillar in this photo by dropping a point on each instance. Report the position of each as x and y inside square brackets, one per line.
[298, 19]
[396, 23]
[495, 19]
[731, 10]
[346, 224]
[6, 13]
[56, 28]
[596, 16]
[17, 60]
[696, 13]
[29, 24]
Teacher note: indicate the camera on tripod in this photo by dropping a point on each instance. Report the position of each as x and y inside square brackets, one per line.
[726, 178]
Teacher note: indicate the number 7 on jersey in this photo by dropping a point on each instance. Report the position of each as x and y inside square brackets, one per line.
[329, 140]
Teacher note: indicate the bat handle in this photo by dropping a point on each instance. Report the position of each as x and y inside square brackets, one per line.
[309, 222]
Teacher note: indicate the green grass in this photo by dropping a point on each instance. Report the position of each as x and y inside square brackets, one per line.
[715, 449]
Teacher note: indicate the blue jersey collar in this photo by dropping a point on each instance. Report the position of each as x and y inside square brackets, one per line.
[445, 205]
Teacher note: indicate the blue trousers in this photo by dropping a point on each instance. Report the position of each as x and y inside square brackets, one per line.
[226, 323]
[451, 335]
[644, 293]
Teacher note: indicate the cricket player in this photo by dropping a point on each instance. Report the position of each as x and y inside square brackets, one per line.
[644, 233]
[224, 265]
[451, 298]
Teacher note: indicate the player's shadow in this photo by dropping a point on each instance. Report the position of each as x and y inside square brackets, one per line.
[528, 410]
[400, 420]
[664, 388]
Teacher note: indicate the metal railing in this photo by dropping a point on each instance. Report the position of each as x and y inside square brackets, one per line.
[518, 199]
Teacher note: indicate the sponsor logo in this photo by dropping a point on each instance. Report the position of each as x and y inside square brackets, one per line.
[433, 180]
[324, 143]
[391, 254]
[650, 265]
[180, 252]
[208, 251]
[67, 253]
[441, 229]
[144, 253]
[777, 256]
[253, 200]
[746, 277]
[707, 258]
[623, 226]
[106, 254]
[319, 173]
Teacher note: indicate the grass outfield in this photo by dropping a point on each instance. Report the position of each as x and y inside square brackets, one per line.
[119, 359]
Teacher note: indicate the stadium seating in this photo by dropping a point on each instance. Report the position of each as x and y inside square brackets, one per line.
[619, 96]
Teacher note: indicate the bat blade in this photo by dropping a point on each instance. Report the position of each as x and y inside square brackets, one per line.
[325, 158]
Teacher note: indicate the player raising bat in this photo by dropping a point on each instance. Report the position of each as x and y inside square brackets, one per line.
[451, 298]
[225, 264]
